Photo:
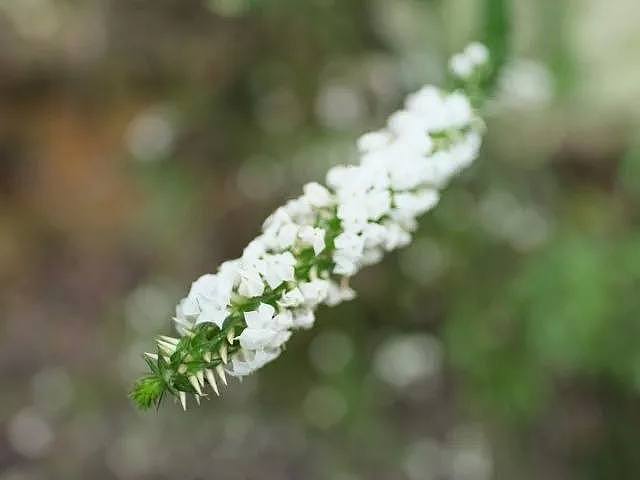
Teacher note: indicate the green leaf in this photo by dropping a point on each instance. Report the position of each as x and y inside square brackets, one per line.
[148, 392]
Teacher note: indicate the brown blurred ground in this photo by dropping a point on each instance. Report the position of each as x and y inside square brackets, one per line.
[141, 143]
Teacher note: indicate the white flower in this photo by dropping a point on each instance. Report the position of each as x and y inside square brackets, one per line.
[283, 320]
[464, 64]
[339, 175]
[186, 310]
[276, 220]
[204, 287]
[396, 237]
[254, 250]
[263, 330]
[208, 300]
[277, 268]
[408, 223]
[373, 141]
[356, 208]
[459, 111]
[251, 284]
[291, 298]
[435, 112]
[408, 172]
[477, 53]
[286, 236]
[313, 237]
[353, 180]
[461, 65]
[213, 313]
[371, 256]
[373, 234]
[441, 166]
[349, 247]
[377, 203]
[349, 243]
[412, 130]
[428, 104]
[230, 271]
[317, 195]
[303, 318]
[462, 154]
[344, 264]
[280, 231]
[247, 362]
[300, 210]
[314, 292]
[189, 306]
[405, 122]
[415, 204]
[424, 101]
[338, 293]
[353, 213]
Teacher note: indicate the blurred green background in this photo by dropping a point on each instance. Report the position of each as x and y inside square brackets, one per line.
[142, 142]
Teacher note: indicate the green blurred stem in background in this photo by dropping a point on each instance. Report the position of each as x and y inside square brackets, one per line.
[496, 35]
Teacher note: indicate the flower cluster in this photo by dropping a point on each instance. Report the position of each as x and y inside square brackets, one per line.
[467, 62]
[238, 319]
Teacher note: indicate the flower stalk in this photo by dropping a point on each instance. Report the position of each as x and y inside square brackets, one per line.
[235, 321]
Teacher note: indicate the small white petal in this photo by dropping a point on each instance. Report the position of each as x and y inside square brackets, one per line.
[194, 383]
[223, 353]
[317, 195]
[373, 141]
[477, 53]
[220, 372]
[212, 380]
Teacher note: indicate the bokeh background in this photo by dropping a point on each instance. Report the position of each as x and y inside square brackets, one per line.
[142, 142]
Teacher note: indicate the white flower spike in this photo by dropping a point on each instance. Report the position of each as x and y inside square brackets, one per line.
[239, 319]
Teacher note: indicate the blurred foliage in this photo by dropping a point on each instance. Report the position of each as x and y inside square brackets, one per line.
[143, 142]
[496, 35]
